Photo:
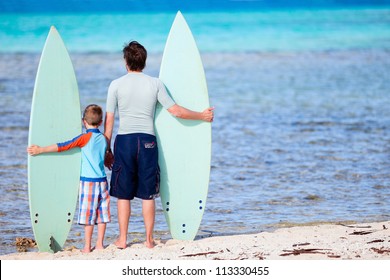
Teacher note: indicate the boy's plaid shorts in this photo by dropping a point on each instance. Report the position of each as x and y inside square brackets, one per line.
[94, 202]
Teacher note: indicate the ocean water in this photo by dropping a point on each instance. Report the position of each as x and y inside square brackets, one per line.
[302, 120]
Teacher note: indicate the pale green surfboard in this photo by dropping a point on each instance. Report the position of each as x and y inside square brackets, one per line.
[184, 145]
[53, 179]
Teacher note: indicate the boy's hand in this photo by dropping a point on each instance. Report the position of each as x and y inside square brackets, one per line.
[34, 150]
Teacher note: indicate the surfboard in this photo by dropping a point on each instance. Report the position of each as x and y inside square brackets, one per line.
[53, 179]
[184, 145]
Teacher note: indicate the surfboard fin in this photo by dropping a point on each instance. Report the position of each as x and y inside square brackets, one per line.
[54, 246]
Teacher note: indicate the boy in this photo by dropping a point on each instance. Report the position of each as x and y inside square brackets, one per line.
[94, 199]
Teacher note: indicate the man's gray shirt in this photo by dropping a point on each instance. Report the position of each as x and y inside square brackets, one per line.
[135, 96]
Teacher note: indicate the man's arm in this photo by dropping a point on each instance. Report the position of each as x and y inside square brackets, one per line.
[183, 113]
[108, 128]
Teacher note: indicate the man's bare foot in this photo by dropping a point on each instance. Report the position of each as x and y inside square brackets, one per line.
[120, 245]
[99, 247]
[86, 250]
[150, 245]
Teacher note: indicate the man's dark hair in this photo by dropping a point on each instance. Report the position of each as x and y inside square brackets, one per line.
[135, 55]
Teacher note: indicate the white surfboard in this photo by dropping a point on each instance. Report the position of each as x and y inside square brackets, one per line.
[184, 145]
[53, 179]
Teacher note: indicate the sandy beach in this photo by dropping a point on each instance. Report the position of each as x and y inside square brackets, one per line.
[370, 241]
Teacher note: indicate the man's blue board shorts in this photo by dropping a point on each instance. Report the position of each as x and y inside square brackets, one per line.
[135, 172]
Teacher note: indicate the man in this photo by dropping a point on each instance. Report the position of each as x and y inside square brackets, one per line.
[135, 170]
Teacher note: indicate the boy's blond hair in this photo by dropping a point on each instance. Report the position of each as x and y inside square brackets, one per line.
[93, 115]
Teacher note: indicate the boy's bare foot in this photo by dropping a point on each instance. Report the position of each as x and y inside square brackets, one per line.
[99, 247]
[120, 245]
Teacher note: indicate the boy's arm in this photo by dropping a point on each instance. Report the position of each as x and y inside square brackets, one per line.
[36, 150]
[79, 141]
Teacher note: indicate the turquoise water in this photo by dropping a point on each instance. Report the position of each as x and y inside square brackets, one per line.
[302, 125]
[272, 30]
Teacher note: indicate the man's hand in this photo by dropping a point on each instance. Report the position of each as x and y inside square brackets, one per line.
[208, 114]
[109, 159]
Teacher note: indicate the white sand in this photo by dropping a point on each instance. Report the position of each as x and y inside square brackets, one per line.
[325, 241]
